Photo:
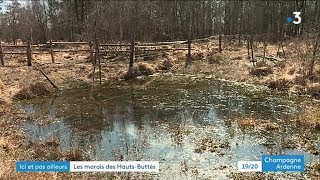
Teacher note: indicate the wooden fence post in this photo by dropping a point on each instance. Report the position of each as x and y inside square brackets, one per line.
[264, 49]
[284, 54]
[251, 44]
[189, 52]
[91, 52]
[29, 53]
[1, 55]
[51, 52]
[96, 59]
[98, 56]
[220, 45]
[280, 46]
[132, 51]
[94, 62]
[188, 61]
[248, 46]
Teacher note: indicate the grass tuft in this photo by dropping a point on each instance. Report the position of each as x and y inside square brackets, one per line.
[34, 90]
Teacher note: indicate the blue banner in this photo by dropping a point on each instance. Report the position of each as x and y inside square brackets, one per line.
[283, 163]
[42, 166]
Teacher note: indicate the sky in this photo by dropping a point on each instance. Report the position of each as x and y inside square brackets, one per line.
[5, 3]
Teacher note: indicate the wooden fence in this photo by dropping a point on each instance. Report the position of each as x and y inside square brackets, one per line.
[93, 48]
[133, 47]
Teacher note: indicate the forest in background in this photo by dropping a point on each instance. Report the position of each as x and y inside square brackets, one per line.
[114, 21]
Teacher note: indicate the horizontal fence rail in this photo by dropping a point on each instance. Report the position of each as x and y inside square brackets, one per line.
[51, 47]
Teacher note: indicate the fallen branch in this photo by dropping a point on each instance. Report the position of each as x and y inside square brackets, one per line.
[68, 42]
[48, 79]
[269, 58]
[161, 43]
[166, 49]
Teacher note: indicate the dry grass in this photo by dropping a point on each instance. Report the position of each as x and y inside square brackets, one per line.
[198, 56]
[215, 57]
[209, 145]
[141, 69]
[34, 90]
[164, 65]
[97, 74]
[76, 155]
[279, 84]
[317, 166]
[269, 126]
[261, 71]
[311, 117]
[146, 69]
[261, 64]
[53, 142]
[130, 74]
[248, 122]
[314, 89]
[50, 150]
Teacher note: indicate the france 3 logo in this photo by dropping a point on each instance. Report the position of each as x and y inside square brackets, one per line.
[297, 18]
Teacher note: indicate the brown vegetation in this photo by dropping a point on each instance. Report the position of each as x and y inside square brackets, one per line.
[50, 150]
[317, 167]
[75, 70]
[311, 117]
[215, 57]
[141, 69]
[146, 69]
[198, 56]
[209, 145]
[71, 69]
[97, 75]
[248, 122]
[53, 142]
[164, 65]
[269, 126]
[279, 84]
[34, 90]
[76, 155]
[314, 89]
[261, 71]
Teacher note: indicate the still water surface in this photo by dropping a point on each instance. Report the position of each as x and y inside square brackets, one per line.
[168, 119]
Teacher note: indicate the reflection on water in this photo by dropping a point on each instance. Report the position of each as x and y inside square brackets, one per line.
[165, 120]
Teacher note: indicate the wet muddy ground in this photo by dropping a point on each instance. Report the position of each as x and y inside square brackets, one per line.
[195, 128]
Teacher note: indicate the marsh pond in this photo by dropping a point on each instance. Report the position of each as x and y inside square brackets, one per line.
[193, 127]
